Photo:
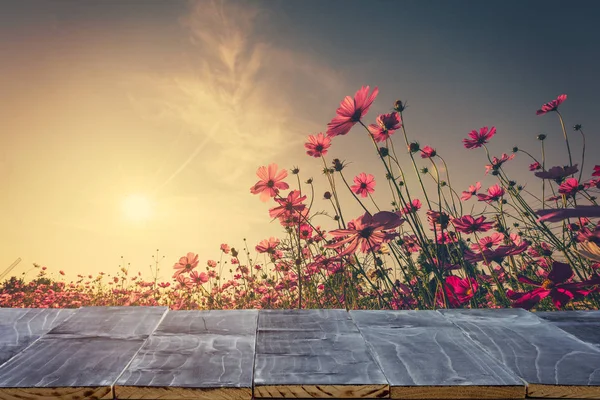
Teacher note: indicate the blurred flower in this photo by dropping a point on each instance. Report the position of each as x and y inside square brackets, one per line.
[471, 192]
[267, 245]
[428, 152]
[557, 173]
[558, 214]
[459, 291]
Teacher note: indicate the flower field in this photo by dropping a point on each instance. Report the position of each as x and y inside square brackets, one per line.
[426, 249]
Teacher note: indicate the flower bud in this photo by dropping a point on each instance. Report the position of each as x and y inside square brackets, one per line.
[384, 151]
[414, 147]
[541, 137]
[577, 127]
[399, 106]
[327, 195]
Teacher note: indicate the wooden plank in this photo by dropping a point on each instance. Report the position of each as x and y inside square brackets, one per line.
[81, 358]
[111, 322]
[584, 325]
[314, 354]
[194, 355]
[425, 356]
[552, 362]
[19, 327]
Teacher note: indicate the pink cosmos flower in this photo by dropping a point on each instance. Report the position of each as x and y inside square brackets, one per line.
[480, 138]
[494, 194]
[460, 291]
[317, 145]
[368, 232]
[487, 242]
[497, 254]
[225, 248]
[414, 206]
[569, 187]
[306, 231]
[351, 111]
[437, 220]
[363, 184]
[291, 205]
[552, 106]
[199, 278]
[411, 244]
[386, 125]
[270, 182]
[596, 170]
[554, 286]
[468, 224]
[186, 264]
[268, 245]
[557, 173]
[497, 162]
[535, 166]
[471, 192]
[558, 214]
[428, 152]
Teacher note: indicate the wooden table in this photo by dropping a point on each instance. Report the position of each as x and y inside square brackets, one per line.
[154, 353]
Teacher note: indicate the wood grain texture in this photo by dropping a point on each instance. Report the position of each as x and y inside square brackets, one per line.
[425, 356]
[111, 322]
[584, 325]
[195, 355]
[19, 327]
[314, 354]
[552, 362]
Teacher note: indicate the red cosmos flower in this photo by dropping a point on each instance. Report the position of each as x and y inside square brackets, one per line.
[317, 145]
[569, 187]
[305, 231]
[487, 242]
[460, 291]
[497, 254]
[414, 206]
[557, 173]
[267, 245]
[596, 170]
[428, 152]
[291, 205]
[368, 232]
[554, 286]
[552, 106]
[471, 192]
[497, 162]
[270, 182]
[535, 166]
[225, 248]
[186, 264]
[555, 215]
[494, 194]
[386, 125]
[199, 278]
[468, 224]
[363, 184]
[351, 110]
[480, 138]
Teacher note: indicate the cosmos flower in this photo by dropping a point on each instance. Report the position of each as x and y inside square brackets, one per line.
[186, 264]
[268, 245]
[480, 138]
[535, 166]
[366, 232]
[554, 286]
[497, 254]
[557, 173]
[363, 184]
[351, 111]
[569, 187]
[558, 214]
[385, 126]
[414, 206]
[317, 145]
[270, 182]
[466, 195]
[428, 152]
[291, 205]
[497, 162]
[468, 224]
[494, 194]
[459, 291]
[199, 278]
[552, 106]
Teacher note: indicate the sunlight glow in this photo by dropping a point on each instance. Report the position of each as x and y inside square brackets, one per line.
[137, 207]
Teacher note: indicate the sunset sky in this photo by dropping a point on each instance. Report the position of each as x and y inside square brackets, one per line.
[177, 104]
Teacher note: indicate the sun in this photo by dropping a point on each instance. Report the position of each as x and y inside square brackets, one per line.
[137, 207]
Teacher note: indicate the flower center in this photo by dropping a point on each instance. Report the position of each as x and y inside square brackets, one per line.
[270, 183]
[366, 233]
[356, 116]
[547, 284]
[319, 148]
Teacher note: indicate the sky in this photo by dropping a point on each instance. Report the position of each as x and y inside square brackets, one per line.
[178, 103]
